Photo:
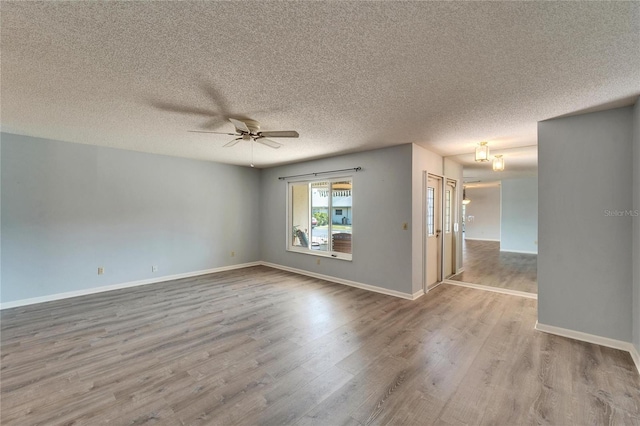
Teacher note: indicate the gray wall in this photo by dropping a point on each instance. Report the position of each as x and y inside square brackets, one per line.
[519, 218]
[485, 209]
[381, 204]
[69, 208]
[636, 226]
[585, 255]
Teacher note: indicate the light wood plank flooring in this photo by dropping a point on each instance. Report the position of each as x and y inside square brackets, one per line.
[263, 346]
[485, 264]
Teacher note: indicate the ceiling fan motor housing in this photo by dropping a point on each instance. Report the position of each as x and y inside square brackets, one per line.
[253, 125]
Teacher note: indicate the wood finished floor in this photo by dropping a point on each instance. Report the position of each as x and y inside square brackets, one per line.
[485, 264]
[263, 346]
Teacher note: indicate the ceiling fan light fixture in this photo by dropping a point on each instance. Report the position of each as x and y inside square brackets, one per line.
[498, 163]
[482, 152]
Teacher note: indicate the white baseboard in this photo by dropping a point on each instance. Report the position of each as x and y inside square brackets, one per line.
[345, 282]
[592, 338]
[519, 251]
[493, 289]
[482, 239]
[459, 271]
[434, 286]
[84, 292]
[417, 294]
[635, 355]
[572, 334]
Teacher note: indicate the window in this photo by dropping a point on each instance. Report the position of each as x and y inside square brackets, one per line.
[430, 211]
[312, 228]
[447, 211]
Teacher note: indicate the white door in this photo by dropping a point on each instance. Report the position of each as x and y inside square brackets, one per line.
[433, 230]
[450, 228]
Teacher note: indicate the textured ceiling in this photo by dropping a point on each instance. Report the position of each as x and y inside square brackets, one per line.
[348, 76]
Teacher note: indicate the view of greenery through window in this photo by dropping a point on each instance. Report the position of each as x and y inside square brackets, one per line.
[321, 213]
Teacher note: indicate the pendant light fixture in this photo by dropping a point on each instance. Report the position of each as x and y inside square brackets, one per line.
[465, 200]
[498, 163]
[482, 152]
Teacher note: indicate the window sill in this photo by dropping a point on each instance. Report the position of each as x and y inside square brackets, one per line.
[335, 255]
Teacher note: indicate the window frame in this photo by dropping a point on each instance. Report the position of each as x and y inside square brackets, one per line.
[289, 233]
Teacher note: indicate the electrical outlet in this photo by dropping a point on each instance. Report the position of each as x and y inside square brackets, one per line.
[154, 268]
[233, 253]
[100, 270]
[317, 261]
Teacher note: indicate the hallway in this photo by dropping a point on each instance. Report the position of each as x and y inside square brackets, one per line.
[485, 264]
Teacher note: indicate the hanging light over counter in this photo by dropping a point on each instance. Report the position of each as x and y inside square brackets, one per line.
[482, 152]
[498, 163]
[465, 200]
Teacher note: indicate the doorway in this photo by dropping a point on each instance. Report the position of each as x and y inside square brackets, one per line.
[433, 230]
[450, 228]
[488, 260]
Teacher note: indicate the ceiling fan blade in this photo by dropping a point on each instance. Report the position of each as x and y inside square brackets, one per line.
[268, 142]
[217, 133]
[279, 134]
[232, 143]
[166, 106]
[215, 123]
[240, 125]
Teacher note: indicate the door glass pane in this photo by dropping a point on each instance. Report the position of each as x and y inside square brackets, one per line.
[341, 216]
[447, 211]
[300, 215]
[320, 212]
[430, 211]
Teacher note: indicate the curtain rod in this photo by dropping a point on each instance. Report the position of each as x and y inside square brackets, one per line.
[355, 169]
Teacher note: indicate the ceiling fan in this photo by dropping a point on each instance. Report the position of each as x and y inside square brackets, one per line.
[247, 129]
